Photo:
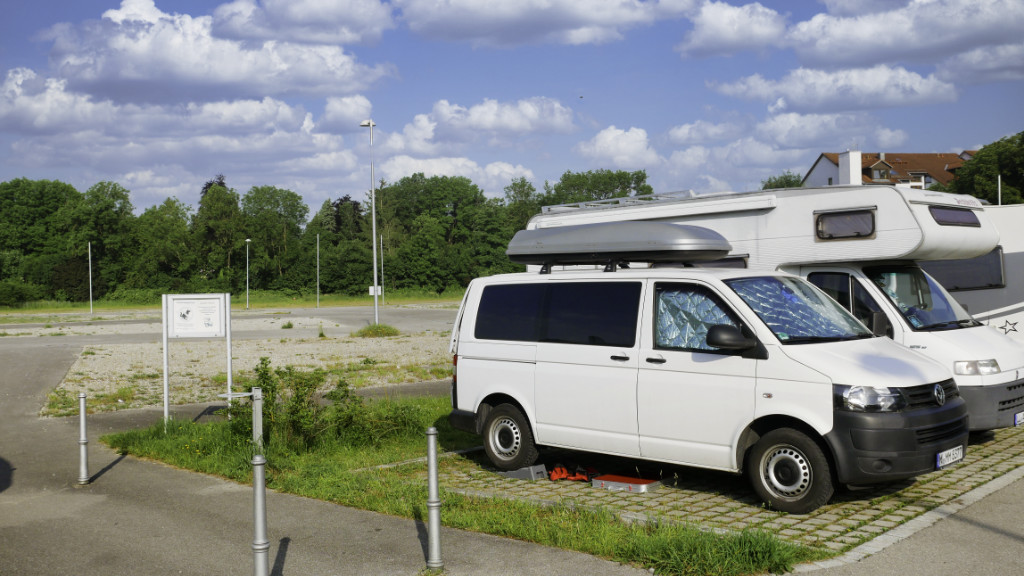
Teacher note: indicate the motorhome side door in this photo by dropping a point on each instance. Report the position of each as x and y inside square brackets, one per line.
[692, 399]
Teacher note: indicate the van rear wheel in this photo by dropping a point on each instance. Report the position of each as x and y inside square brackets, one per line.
[508, 439]
[790, 472]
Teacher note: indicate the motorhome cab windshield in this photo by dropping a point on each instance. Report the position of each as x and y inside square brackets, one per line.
[862, 246]
[735, 370]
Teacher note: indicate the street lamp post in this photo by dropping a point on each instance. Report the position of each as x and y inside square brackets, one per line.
[247, 241]
[373, 221]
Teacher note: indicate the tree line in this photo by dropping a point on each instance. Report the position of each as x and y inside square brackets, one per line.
[434, 234]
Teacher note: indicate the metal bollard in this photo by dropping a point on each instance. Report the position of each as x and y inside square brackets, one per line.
[260, 544]
[83, 443]
[433, 504]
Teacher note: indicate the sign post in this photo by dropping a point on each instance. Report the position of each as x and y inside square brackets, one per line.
[195, 316]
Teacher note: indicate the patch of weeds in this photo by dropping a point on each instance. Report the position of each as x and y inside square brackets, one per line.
[88, 352]
[287, 325]
[146, 376]
[60, 402]
[377, 331]
[322, 335]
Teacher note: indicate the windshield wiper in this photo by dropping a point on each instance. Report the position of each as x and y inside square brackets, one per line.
[962, 323]
[817, 339]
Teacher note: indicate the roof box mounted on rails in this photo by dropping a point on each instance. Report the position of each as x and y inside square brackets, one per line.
[616, 244]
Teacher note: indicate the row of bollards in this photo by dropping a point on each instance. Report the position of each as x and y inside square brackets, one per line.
[260, 543]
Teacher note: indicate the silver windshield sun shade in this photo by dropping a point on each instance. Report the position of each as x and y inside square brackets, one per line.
[617, 242]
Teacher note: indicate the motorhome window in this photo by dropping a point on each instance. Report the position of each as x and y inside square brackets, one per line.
[948, 216]
[852, 224]
[736, 262]
[593, 313]
[796, 311]
[979, 273]
[510, 312]
[683, 315]
[921, 300]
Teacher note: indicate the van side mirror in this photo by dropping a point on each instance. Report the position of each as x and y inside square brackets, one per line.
[729, 337]
[880, 325]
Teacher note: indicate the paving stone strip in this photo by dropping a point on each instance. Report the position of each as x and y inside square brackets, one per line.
[724, 502]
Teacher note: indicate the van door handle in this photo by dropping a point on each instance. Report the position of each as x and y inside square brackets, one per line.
[656, 360]
[620, 358]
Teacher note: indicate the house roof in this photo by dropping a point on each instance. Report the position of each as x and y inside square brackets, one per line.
[905, 166]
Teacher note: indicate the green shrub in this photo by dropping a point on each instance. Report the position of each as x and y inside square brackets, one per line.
[15, 292]
[377, 331]
[133, 296]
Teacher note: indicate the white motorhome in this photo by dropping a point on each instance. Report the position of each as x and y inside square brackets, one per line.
[991, 286]
[734, 370]
[861, 244]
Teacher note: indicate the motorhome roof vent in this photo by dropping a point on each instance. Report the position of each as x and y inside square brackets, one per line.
[615, 244]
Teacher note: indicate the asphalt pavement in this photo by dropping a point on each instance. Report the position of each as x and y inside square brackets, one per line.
[139, 517]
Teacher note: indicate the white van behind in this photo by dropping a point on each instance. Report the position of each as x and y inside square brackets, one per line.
[862, 245]
[725, 369]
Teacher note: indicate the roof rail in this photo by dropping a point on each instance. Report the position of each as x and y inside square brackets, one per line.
[624, 201]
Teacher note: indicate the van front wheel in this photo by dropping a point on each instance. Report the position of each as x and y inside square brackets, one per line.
[790, 472]
[508, 440]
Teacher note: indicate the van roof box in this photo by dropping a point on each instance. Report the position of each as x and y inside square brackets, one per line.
[615, 243]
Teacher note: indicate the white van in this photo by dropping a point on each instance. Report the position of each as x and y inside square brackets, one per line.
[862, 245]
[716, 368]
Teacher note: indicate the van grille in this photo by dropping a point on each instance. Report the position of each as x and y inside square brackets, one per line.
[924, 395]
[942, 432]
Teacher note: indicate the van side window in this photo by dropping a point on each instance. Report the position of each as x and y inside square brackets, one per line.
[979, 273]
[590, 313]
[510, 312]
[851, 224]
[683, 315]
[849, 293]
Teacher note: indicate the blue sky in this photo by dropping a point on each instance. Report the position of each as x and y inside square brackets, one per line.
[162, 95]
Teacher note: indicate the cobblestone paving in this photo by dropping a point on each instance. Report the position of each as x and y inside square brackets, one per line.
[721, 501]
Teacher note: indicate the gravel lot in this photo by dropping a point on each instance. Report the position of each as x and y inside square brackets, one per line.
[115, 376]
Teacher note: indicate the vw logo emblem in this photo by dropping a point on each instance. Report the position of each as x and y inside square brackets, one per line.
[940, 395]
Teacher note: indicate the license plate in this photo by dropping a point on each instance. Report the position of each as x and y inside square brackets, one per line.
[947, 457]
[1018, 419]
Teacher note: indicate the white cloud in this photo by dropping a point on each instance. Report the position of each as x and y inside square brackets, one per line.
[701, 132]
[720, 29]
[537, 114]
[794, 130]
[491, 178]
[981, 65]
[805, 89]
[344, 114]
[859, 7]
[574, 22]
[920, 31]
[304, 21]
[140, 53]
[623, 149]
[888, 138]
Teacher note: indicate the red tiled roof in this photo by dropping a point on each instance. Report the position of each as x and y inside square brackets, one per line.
[939, 166]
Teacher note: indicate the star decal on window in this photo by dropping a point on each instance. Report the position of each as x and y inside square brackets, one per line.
[1008, 327]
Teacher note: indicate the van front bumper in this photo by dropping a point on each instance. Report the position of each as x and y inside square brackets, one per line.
[993, 406]
[875, 447]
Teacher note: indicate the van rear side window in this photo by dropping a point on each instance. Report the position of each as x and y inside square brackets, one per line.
[947, 216]
[589, 313]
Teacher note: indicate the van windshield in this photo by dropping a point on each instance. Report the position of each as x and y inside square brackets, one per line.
[796, 311]
[920, 299]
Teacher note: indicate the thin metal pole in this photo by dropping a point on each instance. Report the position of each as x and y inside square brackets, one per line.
[83, 443]
[433, 504]
[90, 277]
[166, 327]
[247, 240]
[227, 332]
[260, 544]
[317, 270]
[373, 226]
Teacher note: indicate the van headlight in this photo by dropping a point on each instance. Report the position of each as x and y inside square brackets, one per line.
[868, 398]
[975, 367]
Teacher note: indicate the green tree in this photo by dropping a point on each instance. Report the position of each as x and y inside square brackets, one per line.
[164, 255]
[522, 202]
[274, 220]
[217, 235]
[596, 185]
[979, 176]
[785, 180]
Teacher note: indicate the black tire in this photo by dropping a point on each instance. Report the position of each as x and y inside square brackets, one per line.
[508, 439]
[790, 472]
